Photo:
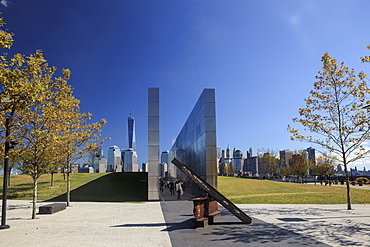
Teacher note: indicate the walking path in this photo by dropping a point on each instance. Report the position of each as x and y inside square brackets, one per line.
[169, 223]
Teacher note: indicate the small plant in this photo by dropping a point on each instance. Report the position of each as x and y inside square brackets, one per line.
[353, 182]
[362, 180]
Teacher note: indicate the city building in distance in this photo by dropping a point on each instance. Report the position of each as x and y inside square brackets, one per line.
[114, 159]
[129, 156]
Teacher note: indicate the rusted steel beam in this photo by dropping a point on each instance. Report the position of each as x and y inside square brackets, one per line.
[212, 192]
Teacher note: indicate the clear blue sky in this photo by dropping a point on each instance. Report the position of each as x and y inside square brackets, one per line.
[260, 56]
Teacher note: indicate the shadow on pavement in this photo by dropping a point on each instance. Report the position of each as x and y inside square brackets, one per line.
[228, 231]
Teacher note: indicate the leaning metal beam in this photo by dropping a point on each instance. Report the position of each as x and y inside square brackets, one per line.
[212, 192]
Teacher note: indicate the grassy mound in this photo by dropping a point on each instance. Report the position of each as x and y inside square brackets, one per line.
[94, 187]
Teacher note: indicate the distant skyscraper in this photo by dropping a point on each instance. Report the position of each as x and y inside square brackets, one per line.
[311, 154]
[131, 131]
[285, 156]
[164, 163]
[225, 161]
[129, 156]
[165, 156]
[237, 161]
[114, 158]
[130, 161]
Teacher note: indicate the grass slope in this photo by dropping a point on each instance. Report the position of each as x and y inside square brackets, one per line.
[254, 191]
[99, 187]
[125, 187]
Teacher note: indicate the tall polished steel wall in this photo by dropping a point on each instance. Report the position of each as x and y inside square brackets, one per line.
[153, 143]
[195, 146]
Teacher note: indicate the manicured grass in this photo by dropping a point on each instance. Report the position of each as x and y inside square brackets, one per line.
[101, 187]
[254, 191]
[128, 187]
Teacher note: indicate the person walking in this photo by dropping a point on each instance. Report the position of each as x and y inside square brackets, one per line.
[161, 185]
[179, 189]
[172, 187]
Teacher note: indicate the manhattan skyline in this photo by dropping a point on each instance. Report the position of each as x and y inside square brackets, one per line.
[261, 57]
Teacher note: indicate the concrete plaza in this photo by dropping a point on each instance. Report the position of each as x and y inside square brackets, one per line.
[169, 223]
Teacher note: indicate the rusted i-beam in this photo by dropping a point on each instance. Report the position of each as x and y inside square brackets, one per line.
[212, 192]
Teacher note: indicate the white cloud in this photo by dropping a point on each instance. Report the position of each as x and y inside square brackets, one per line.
[4, 3]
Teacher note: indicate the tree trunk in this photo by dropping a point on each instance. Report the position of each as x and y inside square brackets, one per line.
[52, 179]
[34, 197]
[68, 189]
[68, 183]
[348, 188]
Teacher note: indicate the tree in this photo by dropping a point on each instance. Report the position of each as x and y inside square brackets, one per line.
[75, 135]
[299, 165]
[33, 130]
[6, 38]
[22, 84]
[229, 170]
[334, 111]
[324, 166]
[268, 164]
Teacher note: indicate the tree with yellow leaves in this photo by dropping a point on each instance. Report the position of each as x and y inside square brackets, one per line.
[74, 135]
[6, 38]
[27, 89]
[334, 112]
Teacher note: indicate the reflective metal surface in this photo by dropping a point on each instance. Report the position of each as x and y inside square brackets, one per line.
[196, 143]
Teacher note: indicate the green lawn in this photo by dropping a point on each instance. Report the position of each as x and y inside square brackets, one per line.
[101, 187]
[254, 191]
[128, 187]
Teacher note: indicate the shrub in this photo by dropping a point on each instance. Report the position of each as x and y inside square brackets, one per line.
[362, 179]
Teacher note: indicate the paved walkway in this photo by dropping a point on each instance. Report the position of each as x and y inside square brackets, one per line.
[169, 223]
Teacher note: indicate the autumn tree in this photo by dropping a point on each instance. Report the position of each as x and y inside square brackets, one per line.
[33, 130]
[324, 167]
[299, 165]
[268, 164]
[6, 38]
[366, 59]
[76, 134]
[7, 104]
[334, 113]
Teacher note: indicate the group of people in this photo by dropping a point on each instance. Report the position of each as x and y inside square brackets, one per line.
[173, 186]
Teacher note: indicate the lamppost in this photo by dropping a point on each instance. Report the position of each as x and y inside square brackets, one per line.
[8, 146]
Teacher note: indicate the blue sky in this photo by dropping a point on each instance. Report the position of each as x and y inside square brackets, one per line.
[260, 56]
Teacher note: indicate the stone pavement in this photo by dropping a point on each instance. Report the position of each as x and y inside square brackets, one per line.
[87, 224]
[169, 223]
